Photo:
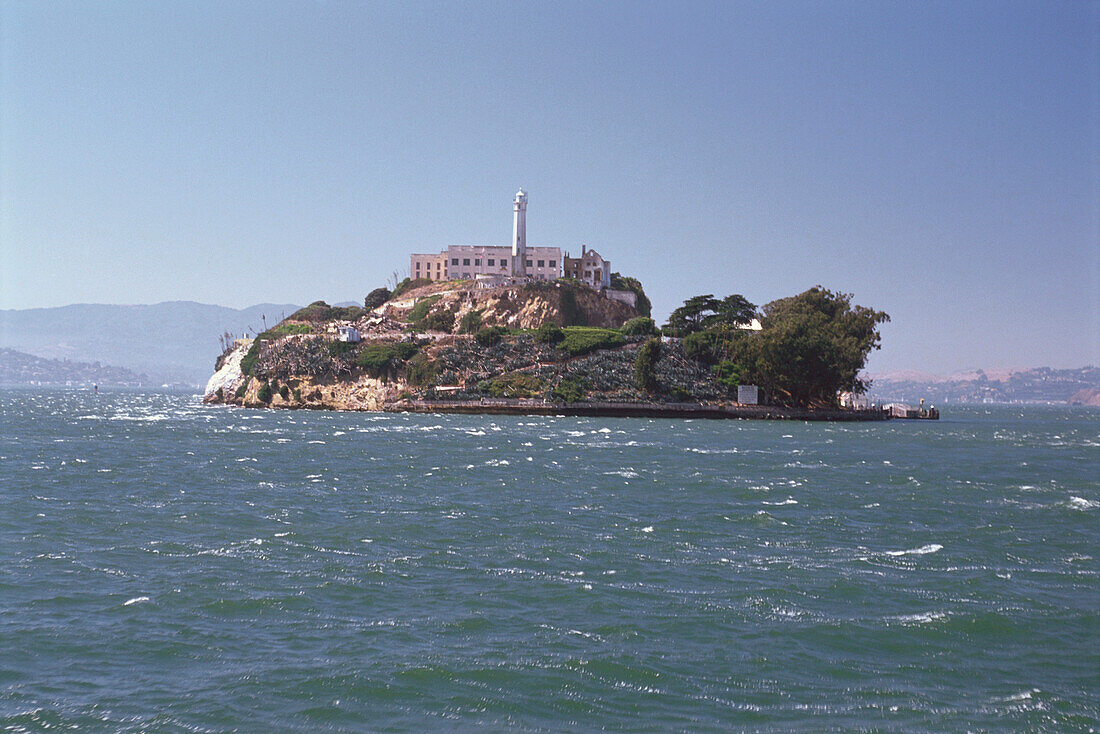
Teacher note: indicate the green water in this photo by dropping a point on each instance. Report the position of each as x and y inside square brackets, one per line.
[166, 566]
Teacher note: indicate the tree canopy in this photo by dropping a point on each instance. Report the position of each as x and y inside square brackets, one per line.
[812, 346]
[707, 312]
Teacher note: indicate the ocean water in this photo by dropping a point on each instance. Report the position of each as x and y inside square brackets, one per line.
[166, 566]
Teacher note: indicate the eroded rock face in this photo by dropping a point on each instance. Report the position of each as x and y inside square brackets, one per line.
[520, 307]
[224, 383]
[321, 393]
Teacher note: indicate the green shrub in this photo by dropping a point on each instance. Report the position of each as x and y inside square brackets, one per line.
[571, 389]
[285, 329]
[490, 336]
[549, 333]
[320, 312]
[584, 340]
[703, 346]
[250, 357]
[340, 349]
[640, 326]
[645, 365]
[264, 394]
[470, 323]
[421, 308]
[298, 394]
[284, 392]
[242, 389]
[408, 284]
[439, 321]
[379, 359]
[730, 374]
[518, 385]
[421, 370]
[376, 298]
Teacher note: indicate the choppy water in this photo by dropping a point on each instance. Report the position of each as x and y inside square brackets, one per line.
[167, 566]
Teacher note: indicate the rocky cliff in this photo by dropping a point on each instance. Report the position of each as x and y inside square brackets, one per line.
[517, 307]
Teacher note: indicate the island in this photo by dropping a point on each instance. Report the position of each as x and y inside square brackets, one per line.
[559, 347]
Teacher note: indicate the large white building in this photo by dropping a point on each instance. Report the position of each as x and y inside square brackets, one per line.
[493, 264]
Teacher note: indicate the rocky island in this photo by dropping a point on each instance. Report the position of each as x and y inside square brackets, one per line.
[555, 347]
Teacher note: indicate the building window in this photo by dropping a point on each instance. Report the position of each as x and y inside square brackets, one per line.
[465, 275]
[454, 261]
[437, 266]
[492, 262]
[542, 263]
[465, 261]
[528, 263]
[418, 266]
[553, 263]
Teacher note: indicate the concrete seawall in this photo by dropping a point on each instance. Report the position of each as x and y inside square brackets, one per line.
[632, 410]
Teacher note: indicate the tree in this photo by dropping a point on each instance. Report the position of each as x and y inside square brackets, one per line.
[470, 323]
[733, 310]
[645, 365]
[640, 326]
[692, 316]
[812, 346]
[707, 312]
[376, 298]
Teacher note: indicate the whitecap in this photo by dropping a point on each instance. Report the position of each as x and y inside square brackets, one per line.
[135, 600]
[788, 501]
[924, 549]
[922, 618]
[647, 529]
[1080, 503]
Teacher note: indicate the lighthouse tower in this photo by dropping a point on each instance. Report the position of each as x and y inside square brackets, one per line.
[519, 234]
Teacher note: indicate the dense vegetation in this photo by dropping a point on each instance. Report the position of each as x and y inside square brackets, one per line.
[320, 312]
[408, 284]
[707, 312]
[376, 298]
[811, 346]
[645, 365]
[582, 340]
[621, 282]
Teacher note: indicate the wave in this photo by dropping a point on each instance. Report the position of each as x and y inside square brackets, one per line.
[923, 550]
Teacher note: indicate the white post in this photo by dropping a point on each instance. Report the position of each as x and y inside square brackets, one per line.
[519, 234]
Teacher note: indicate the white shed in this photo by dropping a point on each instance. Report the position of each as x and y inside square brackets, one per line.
[348, 334]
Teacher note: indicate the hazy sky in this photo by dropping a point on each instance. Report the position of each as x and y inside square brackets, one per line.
[940, 161]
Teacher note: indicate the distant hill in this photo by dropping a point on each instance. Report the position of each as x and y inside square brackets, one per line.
[1037, 385]
[17, 368]
[173, 342]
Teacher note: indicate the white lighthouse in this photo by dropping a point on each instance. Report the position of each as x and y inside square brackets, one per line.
[519, 234]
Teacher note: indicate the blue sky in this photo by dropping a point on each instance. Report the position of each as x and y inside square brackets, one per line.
[940, 161]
